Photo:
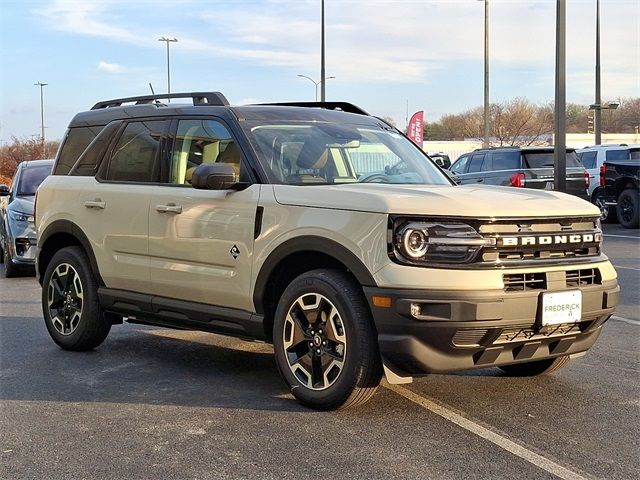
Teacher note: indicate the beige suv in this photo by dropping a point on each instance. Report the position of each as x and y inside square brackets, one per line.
[318, 228]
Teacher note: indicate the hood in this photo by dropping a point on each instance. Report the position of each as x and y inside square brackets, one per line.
[443, 200]
[23, 204]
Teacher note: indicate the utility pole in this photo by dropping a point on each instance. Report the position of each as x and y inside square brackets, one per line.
[42, 85]
[597, 112]
[322, 74]
[560, 150]
[167, 41]
[485, 143]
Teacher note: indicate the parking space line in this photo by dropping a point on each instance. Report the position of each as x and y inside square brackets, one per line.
[627, 268]
[621, 236]
[495, 438]
[627, 320]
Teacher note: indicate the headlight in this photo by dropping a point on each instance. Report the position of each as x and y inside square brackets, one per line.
[434, 242]
[21, 217]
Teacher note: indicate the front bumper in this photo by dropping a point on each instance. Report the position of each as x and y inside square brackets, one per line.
[426, 331]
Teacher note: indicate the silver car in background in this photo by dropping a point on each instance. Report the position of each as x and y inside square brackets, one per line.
[17, 229]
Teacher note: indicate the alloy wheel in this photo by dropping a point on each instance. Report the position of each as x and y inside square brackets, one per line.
[65, 298]
[315, 341]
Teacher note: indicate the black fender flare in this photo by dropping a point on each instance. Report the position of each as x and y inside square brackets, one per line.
[70, 228]
[309, 243]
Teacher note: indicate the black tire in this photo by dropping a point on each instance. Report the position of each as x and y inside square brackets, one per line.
[81, 320]
[11, 270]
[352, 365]
[607, 213]
[627, 209]
[532, 369]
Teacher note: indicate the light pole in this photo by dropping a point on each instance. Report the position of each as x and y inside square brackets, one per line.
[41, 85]
[597, 118]
[560, 150]
[319, 82]
[485, 144]
[322, 72]
[167, 41]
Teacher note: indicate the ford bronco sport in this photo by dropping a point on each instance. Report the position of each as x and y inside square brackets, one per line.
[316, 227]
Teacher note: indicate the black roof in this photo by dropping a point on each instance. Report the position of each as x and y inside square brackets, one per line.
[214, 103]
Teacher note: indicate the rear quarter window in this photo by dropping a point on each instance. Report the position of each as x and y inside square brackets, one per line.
[75, 142]
[622, 154]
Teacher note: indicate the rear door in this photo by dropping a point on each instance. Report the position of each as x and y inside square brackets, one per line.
[113, 208]
[201, 241]
[473, 173]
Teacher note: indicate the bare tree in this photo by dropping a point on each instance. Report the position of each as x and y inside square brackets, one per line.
[20, 150]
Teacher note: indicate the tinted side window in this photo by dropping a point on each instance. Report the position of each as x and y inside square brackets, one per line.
[460, 164]
[617, 154]
[506, 160]
[202, 141]
[588, 159]
[475, 165]
[135, 156]
[87, 164]
[75, 141]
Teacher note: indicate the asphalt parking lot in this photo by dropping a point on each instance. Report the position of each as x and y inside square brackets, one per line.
[157, 403]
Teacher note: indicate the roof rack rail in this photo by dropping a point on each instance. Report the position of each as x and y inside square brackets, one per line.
[199, 98]
[343, 106]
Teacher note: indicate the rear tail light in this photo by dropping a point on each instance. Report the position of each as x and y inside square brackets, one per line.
[586, 180]
[517, 180]
[603, 169]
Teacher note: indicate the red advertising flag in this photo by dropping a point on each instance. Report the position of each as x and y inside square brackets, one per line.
[416, 128]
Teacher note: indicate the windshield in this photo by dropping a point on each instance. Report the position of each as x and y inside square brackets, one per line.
[315, 153]
[31, 179]
[545, 159]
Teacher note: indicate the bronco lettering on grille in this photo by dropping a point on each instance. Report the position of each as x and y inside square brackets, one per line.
[550, 239]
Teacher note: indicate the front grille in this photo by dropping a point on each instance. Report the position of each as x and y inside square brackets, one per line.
[520, 282]
[517, 334]
[539, 241]
[579, 278]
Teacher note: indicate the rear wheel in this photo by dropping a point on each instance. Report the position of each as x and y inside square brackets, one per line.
[325, 343]
[540, 367]
[70, 305]
[628, 212]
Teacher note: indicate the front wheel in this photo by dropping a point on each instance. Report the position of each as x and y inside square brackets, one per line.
[628, 211]
[532, 369]
[325, 342]
[70, 305]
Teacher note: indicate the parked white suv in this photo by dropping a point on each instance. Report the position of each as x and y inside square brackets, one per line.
[592, 158]
[316, 227]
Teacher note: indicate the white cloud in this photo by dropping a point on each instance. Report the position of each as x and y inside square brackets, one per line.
[110, 67]
[372, 41]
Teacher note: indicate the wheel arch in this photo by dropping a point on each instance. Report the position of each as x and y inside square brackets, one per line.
[58, 235]
[294, 257]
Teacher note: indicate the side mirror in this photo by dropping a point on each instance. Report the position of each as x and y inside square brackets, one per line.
[4, 191]
[452, 176]
[216, 176]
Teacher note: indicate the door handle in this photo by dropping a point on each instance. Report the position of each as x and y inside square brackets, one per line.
[480, 180]
[97, 204]
[171, 208]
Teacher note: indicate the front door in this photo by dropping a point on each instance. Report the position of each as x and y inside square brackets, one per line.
[201, 241]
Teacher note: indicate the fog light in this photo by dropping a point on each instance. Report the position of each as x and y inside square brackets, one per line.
[416, 310]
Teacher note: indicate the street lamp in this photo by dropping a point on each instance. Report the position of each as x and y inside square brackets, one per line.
[167, 41]
[319, 82]
[560, 132]
[41, 85]
[486, 73]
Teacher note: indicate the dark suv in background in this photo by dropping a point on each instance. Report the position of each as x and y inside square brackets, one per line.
[530, 167]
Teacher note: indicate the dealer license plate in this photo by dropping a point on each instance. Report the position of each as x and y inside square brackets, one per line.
[561, 307]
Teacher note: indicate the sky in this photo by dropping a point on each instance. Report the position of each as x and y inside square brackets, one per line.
[382, 53]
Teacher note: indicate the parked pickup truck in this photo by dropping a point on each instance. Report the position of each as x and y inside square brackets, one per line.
[620, 180]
